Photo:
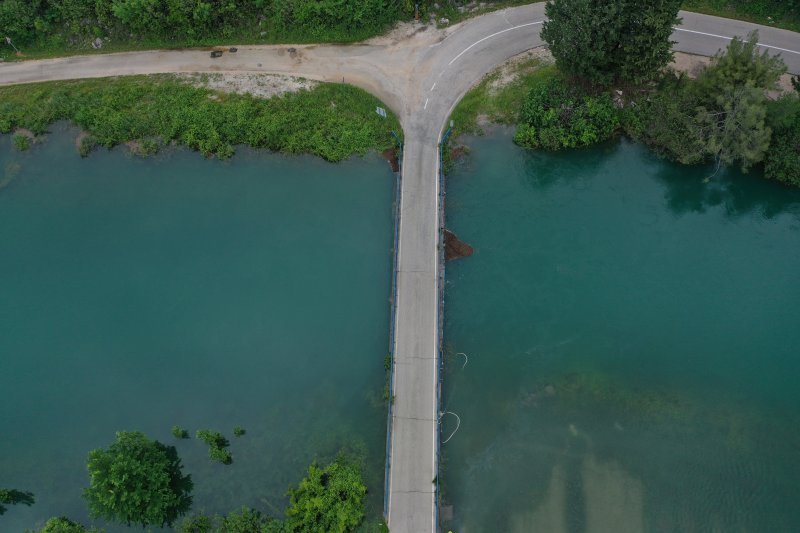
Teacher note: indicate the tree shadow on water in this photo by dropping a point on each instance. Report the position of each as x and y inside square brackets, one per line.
[688, 189]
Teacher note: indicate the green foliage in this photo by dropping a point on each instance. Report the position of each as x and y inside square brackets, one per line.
[328, 500]
[721, 116]
[666, 121]
[74, 24]
[65, 525]
[238, 431]
[557, 115]
[217, 445]
[179, 432]
[779, 13]
[13, 497]
[605, 42]
[782, 161]
[333, 121]
[137, 481]
[245, 520]
[197, 524]
[21, 142]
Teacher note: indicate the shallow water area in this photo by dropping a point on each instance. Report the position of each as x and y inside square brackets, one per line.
[632, 335]
[138, 294]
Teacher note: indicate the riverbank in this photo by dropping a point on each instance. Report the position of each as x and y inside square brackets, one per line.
[209, 113]
[552, 112]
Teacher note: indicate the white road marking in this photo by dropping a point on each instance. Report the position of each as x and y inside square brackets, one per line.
[426, 104]
[433, 86]
[731, 38]
[465, 50]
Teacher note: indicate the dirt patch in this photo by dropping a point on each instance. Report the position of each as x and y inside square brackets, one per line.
[391, 157]
[518, 65]
[454, 248]
[258, 85]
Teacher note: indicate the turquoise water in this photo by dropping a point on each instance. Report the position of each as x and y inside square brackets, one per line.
[634, 345]
[142, 293]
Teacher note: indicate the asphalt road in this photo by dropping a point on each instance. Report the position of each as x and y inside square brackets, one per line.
[421, 77]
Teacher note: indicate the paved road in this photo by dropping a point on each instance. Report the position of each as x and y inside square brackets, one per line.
[421, 76]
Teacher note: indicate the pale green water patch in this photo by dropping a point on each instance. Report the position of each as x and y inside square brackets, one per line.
[632, 339]
[142, 293]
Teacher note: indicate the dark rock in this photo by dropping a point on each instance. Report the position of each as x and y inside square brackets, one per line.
[454, 248]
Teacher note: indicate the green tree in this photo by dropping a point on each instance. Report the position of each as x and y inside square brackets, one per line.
[734, 95]
[13, 497]
[328, 500]
[605, 42]
[137, 481]
[782, 160]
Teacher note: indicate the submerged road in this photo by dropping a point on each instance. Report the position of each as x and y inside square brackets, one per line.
[421, 75]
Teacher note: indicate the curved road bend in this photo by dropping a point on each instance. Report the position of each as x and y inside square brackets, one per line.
[421, 78]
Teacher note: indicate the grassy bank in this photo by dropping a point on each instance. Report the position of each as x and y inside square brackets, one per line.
[778, 13]
[332, 121]
[499, 96]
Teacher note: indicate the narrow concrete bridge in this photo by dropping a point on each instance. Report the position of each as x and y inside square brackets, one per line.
[420, 75]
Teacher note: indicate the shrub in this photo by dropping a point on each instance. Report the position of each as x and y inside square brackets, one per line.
[217, 445]
[782, 161]
[13, 497]
[137, 481]
[65, 525]
[557, 115]
[328, 500]
[21, 142]
[238, 431]
[179, 433]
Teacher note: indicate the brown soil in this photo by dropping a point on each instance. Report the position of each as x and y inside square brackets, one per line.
[454, 248]
[391, 156]
[25, 133]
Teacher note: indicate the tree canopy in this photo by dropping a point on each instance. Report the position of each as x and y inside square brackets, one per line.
[328, 500]
[137, 481]
[65, 525]
[605, 42]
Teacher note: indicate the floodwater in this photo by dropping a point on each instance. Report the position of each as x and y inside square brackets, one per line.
[138, 294]
[633, 345]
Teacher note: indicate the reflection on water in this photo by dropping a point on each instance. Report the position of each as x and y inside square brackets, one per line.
[632, 338]
[138, 294]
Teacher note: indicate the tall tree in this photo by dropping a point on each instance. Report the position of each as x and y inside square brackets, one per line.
[137, 481]
[605, 42]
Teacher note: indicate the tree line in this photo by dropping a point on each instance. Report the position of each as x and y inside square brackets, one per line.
[66, 22]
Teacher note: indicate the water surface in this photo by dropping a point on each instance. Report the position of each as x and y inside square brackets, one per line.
[142, 293]
[633, 345]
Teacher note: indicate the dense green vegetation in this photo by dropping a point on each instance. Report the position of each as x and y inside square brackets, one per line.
[782, 160]
[65, 525]
[610, 42]
[332, 121]
[558, 114]
[328, 500]
[779, 13]
[14, 497]
[721, 116]
[57, 26]
[137, 481]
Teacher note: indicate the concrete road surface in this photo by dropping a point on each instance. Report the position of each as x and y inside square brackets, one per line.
[421, 75]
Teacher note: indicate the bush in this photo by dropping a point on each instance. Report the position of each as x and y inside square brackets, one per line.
[179, 433]
[328, 500]
[21, 142]
[65, 525]
[782, 161]
[217, 446]
[557, 115]
[137, 481]
[13, 497]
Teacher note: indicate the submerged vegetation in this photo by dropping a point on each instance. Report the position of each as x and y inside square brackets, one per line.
[217, 445]
[332, 121]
